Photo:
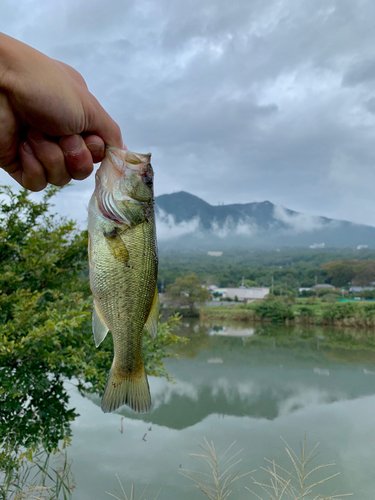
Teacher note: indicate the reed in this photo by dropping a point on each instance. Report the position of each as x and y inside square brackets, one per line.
[217, 483]
[124, 496]
[299, 482]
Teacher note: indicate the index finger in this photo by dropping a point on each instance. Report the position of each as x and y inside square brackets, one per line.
[100, 123]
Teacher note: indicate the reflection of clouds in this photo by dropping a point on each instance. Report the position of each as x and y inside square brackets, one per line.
[267, 394]
[247, 389]
[346, 430]
[303, 397]
[231, 391]
[163, 391]
[321, 371]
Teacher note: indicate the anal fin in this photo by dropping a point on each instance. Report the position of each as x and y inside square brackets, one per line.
[153, 317]
[99, 327]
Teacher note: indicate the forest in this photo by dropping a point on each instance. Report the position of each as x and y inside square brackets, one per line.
[290, 267]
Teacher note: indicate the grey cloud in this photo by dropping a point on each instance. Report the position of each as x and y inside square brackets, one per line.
[361, 72]
[238, 101]
[370, 105]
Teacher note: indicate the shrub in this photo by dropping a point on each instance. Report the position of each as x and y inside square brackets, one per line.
[340, 311]
[274, 310]
[330, 297]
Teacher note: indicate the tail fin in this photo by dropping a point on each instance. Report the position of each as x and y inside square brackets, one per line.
[128, 390]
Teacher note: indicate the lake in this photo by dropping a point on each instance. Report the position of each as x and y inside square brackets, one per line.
[245, 384]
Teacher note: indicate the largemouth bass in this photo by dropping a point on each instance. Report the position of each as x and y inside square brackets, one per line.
[123, 271]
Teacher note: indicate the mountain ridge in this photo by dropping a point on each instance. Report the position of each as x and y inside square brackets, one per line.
[185, 219]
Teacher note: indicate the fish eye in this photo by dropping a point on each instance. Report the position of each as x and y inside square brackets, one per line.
[148, 176]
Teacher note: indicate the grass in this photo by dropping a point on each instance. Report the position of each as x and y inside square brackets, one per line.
[217, 483]
[303, 480]
[131, 496]
[299, 482]
[46, 477]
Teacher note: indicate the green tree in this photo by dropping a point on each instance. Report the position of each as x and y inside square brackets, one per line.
[248, 283]
[187, 290]
[340, 273]
[364, 273]
[45, 326]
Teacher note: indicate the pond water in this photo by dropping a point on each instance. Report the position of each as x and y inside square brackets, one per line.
[244, 384]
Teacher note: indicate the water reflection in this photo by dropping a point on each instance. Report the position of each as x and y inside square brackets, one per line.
[232, 331]
[278, 381]
[275, 371]
[250, 383]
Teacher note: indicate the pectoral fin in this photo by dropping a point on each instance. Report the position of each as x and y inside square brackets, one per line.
[99, 327]
[152, 320]
[89, 249]
[117, 246]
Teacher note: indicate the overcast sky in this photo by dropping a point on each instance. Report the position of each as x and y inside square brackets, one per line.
[238, 101]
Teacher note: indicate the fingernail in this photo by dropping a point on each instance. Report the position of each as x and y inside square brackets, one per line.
[27, 148]
[95, 148]
[71, 144]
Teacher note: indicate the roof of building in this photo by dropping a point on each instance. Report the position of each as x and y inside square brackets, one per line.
[323, 285]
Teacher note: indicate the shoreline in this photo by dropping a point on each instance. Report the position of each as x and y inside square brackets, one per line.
[357, 315]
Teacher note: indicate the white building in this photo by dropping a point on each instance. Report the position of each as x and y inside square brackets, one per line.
[244, 294]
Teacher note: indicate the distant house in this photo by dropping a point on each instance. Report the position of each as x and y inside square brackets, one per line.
[356, 289]
[243, 294]
[323, 285]
[315, 288]
[215, 254]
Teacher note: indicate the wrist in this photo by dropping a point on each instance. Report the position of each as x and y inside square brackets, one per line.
[15, 57]
[5, 60]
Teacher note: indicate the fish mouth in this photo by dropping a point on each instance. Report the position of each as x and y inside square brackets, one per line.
[122, 159]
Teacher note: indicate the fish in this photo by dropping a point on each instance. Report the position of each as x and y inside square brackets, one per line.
[123, 267]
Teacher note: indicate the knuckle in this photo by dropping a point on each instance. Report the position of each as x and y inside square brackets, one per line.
[63, 181]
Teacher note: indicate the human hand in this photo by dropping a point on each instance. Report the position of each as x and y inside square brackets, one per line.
[52, 129]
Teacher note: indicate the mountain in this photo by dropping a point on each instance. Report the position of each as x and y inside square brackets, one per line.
[188, 222]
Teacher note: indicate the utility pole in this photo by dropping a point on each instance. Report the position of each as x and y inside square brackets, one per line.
[316, 279]
[272, 285]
